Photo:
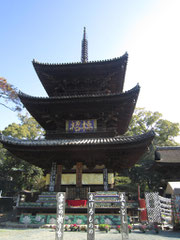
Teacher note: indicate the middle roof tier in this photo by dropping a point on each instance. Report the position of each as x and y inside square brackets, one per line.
[111, 113]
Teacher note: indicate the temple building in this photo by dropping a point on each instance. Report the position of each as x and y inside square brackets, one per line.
[167, 162]
[85, 118]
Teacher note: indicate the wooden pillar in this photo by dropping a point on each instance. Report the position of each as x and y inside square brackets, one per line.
[105, 179]
[79, 174]
[52, 177]
[58, 178]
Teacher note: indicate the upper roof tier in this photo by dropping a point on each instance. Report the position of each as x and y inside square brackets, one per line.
[83, 78]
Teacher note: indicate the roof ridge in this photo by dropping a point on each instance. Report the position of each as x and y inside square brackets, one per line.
[125, 55]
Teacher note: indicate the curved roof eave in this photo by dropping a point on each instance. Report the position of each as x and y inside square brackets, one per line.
[56, 77]
[113, 60]
[28, 98]
[118, 140]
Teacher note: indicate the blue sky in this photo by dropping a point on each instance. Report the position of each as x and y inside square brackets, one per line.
[51, 31]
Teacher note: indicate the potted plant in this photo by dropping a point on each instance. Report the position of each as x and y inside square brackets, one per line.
[118, 228]
[156, 228]
[83, 228]
[130, 228]
[66, 228]
[104, 227]
[74, 227]
[143, 228]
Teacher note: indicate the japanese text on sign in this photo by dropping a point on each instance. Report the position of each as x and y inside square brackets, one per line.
[124, 222]
[60, 215]
[81, 125]
[91, 212]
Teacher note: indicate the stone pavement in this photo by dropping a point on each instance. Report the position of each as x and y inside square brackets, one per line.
[49, 234]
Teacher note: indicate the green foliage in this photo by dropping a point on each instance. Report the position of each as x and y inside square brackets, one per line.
[19, 175]
[143, 121]
[143, 173]
[123, 182]
[8, 96]
[16, 173]
[27, 129]
[104, 227]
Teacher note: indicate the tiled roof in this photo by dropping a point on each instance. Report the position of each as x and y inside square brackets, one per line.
[128, 93]
[166, 148]
[73, 142]
[168, 154]
[60, 79]
[125, 56]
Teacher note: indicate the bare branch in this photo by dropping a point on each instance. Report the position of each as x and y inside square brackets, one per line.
[13, 110]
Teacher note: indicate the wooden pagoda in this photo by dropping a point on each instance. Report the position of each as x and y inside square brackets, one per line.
[85, 117]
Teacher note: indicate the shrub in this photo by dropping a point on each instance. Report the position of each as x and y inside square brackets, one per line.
[74, 227]
[118, 228]
[104, 227]
[66, 228]
[143, 228]
[83, 228]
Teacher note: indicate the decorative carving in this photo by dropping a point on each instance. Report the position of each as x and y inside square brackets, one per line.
[68, 164]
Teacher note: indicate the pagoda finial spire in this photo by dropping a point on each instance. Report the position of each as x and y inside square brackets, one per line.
[84, 51]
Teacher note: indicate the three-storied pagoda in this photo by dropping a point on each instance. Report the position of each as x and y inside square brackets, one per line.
[85, 117]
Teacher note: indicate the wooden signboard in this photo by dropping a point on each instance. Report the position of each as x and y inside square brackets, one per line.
[60, 215]
[90, 220]
[123, 214]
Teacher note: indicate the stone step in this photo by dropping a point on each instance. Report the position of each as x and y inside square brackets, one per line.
[46, 200]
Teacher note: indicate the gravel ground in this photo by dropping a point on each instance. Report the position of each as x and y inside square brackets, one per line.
[49, 234]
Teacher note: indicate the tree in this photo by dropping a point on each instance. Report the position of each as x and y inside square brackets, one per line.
[8, 96]
[142, 121]
[20, 174]
[27, 129]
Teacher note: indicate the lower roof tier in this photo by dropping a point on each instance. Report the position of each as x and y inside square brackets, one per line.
[115, 153]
